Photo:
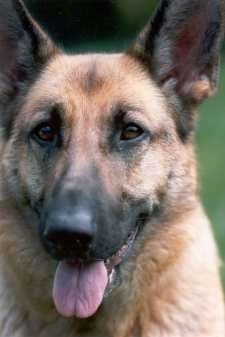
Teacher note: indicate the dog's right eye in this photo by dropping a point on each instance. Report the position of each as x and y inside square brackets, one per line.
[45, 133]
[130, 132]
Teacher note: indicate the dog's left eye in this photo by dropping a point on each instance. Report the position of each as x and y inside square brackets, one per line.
[131, 131]
[45, 133]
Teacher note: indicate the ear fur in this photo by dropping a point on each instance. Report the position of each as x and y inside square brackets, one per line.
[180, 47]
[25, 49]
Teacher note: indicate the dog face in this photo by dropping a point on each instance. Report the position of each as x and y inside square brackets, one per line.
[97, 148]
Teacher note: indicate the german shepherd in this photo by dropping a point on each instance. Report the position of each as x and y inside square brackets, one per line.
[102, 233]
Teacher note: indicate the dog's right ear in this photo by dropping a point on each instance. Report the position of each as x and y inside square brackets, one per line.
[25, 49]
[180, 48]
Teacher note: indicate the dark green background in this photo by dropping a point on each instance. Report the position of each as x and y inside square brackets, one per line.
[103, 25]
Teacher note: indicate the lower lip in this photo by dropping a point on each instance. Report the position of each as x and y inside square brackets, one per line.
[113, 263]
[117, 258]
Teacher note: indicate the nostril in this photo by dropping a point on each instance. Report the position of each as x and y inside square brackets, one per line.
[63, 237]
[70, 231]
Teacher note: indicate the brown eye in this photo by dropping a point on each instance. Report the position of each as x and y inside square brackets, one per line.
[131, 131]
[45, 133]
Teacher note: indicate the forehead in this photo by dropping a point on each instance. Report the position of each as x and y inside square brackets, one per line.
[98, 83]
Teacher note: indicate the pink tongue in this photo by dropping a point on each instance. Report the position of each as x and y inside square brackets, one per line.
[79, 290]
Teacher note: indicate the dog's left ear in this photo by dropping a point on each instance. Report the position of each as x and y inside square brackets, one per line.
[24, 45]
[24, 50]
[180, 46]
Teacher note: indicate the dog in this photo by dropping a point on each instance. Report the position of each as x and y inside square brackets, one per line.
[102, 233]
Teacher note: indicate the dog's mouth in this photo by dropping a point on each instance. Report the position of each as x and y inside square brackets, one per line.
[79, 288]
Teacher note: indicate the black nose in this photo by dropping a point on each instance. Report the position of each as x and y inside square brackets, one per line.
[69, 235]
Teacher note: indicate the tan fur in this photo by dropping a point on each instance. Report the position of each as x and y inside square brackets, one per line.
[170, 284]
[174, 288]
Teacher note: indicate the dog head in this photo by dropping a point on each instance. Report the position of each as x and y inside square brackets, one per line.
[97, 148]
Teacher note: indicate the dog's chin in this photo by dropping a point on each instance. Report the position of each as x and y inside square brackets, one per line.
[80, 288]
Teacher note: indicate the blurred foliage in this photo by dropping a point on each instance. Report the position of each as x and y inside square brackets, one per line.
[211, 154]
[72, 21]
[109, 25]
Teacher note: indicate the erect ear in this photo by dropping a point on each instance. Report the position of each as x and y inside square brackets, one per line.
[25, 49]
[180, 45]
